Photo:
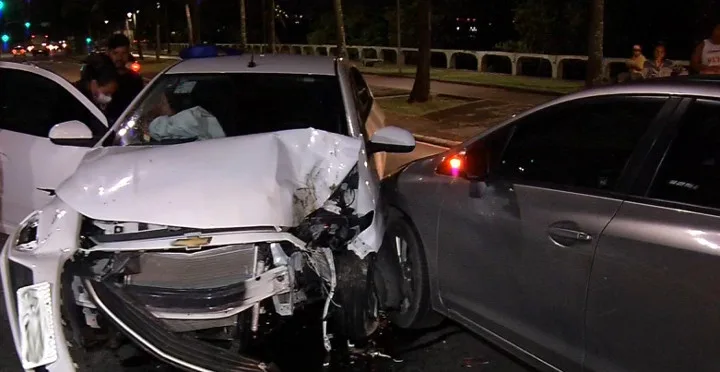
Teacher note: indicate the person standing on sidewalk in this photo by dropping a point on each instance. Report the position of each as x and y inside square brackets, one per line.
[660, 66]
[130, 83]
[706, 58]
[635, 65]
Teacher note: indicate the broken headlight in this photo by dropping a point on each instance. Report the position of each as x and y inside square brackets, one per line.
[25, 237]
[337, 222]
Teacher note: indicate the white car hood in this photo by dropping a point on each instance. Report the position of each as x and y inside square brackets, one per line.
[272, 179]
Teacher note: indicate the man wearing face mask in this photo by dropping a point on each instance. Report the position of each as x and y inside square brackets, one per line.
[98, 81]
[130, 83]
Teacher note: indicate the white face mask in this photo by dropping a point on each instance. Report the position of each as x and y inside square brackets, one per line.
[103, 99]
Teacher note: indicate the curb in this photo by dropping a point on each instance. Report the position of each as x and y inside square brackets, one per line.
[436, 141]
[467, 83]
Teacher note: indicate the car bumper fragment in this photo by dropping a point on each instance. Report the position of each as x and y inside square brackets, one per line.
[181, 351]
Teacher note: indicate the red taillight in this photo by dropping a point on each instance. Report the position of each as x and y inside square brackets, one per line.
[452, 165]
[455, 163]
[135, 67]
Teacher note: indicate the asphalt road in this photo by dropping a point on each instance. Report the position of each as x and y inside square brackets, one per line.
[447, 348]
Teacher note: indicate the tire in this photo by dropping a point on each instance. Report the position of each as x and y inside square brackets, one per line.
[356, 318]
[415, 310]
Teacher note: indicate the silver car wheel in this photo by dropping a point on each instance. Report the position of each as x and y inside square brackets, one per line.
[401, 247]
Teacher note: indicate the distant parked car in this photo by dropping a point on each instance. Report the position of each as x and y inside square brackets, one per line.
[18, 51]
[582, 235]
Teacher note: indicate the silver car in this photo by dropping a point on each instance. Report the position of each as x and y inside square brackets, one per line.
[582, 235]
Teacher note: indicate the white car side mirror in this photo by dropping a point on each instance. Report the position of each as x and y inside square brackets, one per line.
[392, 140]
[71, 133]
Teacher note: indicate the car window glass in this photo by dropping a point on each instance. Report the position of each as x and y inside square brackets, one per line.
[583, 144]
[187, 107]
[690, 171]
[362, 93]
[32, 104]
[484, 155]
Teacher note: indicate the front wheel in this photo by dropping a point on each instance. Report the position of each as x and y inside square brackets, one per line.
[415, 309]
[358, 308]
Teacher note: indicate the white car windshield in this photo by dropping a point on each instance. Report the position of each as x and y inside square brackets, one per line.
[188, 107]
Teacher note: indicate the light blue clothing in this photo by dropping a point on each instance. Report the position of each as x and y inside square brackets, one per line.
[195, 122]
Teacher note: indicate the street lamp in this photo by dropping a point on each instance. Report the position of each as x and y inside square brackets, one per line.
[129, 15]
[106, 21]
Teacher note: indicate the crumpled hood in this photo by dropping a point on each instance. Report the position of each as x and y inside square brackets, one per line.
[271, 179]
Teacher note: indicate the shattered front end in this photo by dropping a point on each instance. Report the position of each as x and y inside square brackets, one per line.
[177, 291]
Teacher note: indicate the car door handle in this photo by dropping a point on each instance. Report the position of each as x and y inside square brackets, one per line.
[560, 232]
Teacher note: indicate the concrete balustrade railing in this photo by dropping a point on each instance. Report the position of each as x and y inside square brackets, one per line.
[481, 58]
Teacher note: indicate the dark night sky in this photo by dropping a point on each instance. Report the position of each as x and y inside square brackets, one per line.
[679, 24]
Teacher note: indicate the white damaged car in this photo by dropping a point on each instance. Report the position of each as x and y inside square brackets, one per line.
[232, 187]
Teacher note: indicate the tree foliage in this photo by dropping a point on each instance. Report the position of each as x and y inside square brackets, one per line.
[363, 26]
[552, 26]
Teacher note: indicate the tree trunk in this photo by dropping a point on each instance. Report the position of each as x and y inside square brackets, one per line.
[263, 6]
[243, 25]
[191, 34]
[400, 56]
[141, 56]
[340, 22]
[197, 24]
[595, 43]
[421, 88]
[273, 37]
[157, 38]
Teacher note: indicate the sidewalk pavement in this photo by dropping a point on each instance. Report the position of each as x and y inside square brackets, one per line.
[475, 108]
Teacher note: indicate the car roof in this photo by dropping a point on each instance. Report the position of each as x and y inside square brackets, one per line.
[264, 63]
[694, 85]
[707, 86]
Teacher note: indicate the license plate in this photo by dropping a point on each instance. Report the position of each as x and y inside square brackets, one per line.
[37, 335]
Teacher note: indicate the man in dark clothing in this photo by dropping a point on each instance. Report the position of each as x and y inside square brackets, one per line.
[129, 82]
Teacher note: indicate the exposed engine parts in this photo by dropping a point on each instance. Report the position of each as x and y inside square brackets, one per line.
[217, 284]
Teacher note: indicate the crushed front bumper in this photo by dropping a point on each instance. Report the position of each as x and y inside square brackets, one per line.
[177, 349]
[23, 269]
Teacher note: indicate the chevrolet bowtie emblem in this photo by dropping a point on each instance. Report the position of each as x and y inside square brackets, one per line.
[193, 242]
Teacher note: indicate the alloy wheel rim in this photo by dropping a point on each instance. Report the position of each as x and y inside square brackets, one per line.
[401, 248]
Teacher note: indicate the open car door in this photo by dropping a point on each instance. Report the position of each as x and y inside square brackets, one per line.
[32, 102]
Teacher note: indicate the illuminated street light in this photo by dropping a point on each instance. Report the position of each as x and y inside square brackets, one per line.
[129, 15]
[106, 21]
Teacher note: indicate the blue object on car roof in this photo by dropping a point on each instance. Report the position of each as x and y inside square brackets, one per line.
[207, 51]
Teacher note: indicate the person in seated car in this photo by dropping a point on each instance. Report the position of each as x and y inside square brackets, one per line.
[98, 80]
[169, 123]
